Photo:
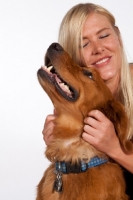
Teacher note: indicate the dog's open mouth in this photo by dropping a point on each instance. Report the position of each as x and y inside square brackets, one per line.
[67, 91]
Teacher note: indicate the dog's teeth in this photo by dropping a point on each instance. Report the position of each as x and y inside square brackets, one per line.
[66, 87]
[49, 68]
[62, 84]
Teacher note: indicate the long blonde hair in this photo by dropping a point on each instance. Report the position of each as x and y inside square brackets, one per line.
[70, 38]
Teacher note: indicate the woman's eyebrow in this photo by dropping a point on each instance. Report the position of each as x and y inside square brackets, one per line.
[99, 31]
[103, 29]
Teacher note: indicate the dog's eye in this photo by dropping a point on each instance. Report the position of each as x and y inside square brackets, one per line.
[88, 73]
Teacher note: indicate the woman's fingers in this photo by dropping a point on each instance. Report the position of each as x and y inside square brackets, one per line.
[98, 115]
[48, 129]
[99, 131]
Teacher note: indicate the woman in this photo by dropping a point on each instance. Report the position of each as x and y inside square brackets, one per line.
[89, 34]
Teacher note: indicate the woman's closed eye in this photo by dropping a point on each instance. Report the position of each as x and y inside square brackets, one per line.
[85, 44]
[104, 36]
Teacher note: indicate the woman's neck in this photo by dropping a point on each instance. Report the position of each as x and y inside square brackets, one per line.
[113, 85]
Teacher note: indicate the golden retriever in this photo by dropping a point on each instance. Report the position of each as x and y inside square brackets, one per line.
[73, 174]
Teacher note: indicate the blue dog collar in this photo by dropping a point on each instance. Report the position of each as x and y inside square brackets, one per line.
[67, 167]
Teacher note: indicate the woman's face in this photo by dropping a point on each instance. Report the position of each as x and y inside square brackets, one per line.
[101, 47]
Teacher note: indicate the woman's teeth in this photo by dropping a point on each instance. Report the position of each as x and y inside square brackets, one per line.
[102, 61]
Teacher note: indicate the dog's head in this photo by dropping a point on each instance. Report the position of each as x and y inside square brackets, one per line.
[75, 91]
[72, 89]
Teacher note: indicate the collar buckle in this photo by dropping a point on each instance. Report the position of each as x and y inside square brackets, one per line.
[74, 168]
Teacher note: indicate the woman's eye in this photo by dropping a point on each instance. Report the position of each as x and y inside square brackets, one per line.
[85, 44]
[104, 36]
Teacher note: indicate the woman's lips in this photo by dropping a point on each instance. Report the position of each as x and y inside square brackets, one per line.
[102, 62]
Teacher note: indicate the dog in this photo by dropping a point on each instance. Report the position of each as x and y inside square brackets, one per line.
[77, 170]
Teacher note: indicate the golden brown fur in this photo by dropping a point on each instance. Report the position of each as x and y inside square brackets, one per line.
[104, 182]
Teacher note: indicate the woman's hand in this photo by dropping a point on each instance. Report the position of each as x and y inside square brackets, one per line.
[48, 128]
[99, 132]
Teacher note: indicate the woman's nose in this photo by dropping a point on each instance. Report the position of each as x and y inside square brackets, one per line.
[97, 48]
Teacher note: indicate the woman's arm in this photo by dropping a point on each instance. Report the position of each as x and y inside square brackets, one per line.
[125, 160]
[99, 132]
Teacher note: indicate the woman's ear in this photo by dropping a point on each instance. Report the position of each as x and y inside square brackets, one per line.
[116, 113]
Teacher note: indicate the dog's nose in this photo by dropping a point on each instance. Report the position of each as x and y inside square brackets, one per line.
[56, 46]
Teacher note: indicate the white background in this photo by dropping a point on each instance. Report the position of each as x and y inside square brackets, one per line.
[27, 28]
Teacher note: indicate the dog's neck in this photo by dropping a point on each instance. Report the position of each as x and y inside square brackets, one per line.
[67, 167]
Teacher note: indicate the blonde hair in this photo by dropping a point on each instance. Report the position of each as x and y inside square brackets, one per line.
[70, 38]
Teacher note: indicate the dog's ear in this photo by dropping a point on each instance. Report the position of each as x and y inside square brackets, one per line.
[116, 113]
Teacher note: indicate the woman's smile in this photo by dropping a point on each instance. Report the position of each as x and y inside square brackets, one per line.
[101, 62]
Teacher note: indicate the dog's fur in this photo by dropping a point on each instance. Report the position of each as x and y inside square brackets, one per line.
[104, 182]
